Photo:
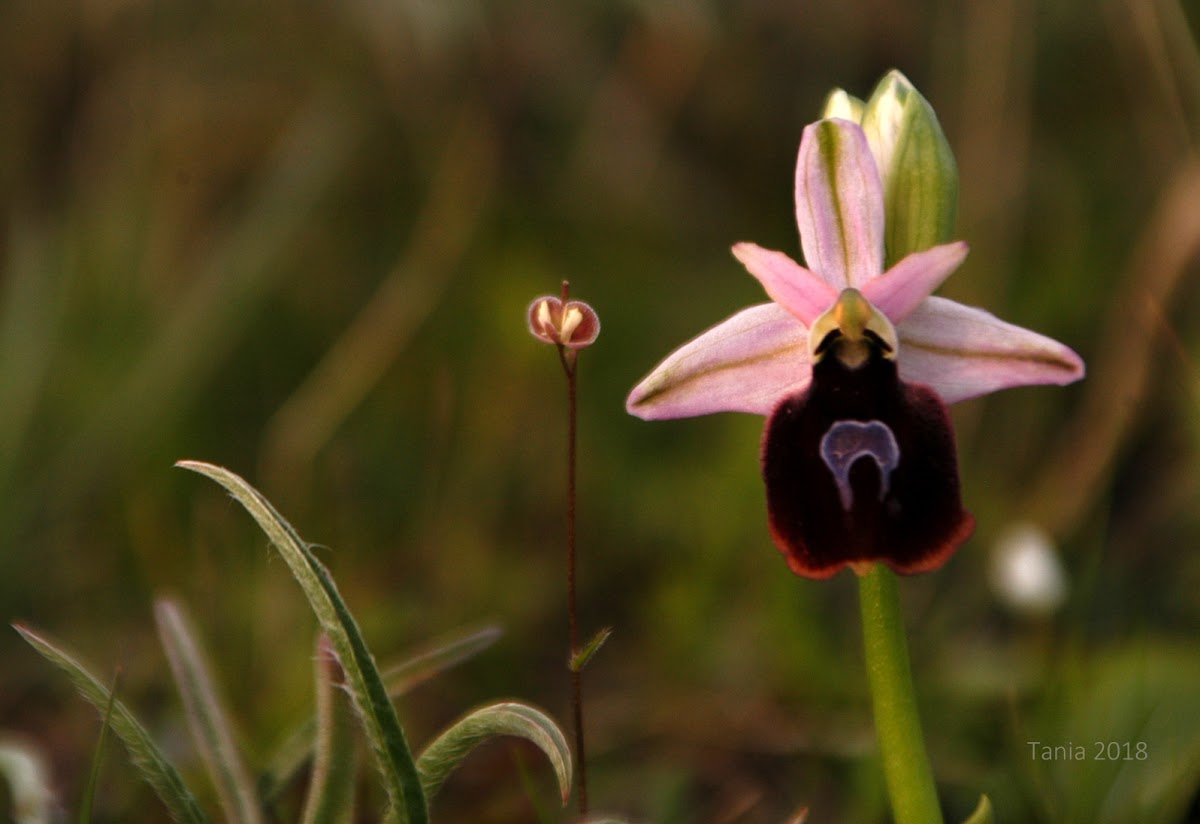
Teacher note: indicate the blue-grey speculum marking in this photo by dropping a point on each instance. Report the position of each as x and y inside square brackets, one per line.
[847, 441]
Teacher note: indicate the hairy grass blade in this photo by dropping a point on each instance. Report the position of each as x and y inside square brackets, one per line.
[158, 772]
[448, 750]
[331, 787]
[363, 681]
[292, 756]
[206, 716]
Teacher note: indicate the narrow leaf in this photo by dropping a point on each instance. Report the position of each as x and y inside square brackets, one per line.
[291, 757]
[380, 723]
[157, 771]
[448, 750]
[207, 719]
[89, 792]
[983, 813]
[331, 786]
[580, 659]
[542, 813]
[441, 656]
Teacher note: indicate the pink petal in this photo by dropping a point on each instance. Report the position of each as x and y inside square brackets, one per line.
[963, 352]
[901, 289]
[839, 204]
[788, 283]
[747, 363]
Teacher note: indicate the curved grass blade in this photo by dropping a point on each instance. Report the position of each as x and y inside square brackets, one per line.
[448, 750]
[380, 723]
[143, 752]
[983, 813]
[206, 716]
[292, 756]
[331, 786]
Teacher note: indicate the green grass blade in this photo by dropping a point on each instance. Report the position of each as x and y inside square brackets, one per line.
[448, 750]
[292, 756]
[331, 786]
[89, 792]
[542, 812]
[439, 657]
[143, 752]
[206, 716]
[983, 813]
[380, 723]
[580, 659]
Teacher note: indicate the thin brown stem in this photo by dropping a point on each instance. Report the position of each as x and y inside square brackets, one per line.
[570, 364]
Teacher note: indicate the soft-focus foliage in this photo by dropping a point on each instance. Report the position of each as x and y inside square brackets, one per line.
[299, 239]
[342, 660]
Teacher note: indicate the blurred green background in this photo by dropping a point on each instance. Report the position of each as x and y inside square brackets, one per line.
[298, 239]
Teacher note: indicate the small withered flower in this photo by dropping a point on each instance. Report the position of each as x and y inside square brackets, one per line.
[571, 325]
[558, 320]
[853, 364]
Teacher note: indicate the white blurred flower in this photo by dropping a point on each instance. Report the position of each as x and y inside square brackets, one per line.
[24, 769]
[1026, 572]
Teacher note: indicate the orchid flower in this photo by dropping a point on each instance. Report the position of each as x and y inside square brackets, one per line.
[853, 365]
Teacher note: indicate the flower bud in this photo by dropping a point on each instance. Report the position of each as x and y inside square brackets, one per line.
[916, 166]
[843, 105]
[573, 324]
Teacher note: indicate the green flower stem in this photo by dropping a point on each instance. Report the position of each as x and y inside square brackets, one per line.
[897, 722]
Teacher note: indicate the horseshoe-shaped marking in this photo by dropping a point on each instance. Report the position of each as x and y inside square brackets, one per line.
[847, 441]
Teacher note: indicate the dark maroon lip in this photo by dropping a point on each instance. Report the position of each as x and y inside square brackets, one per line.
[862, 467]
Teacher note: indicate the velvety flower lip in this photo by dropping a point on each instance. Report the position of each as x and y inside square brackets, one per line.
[756, 358]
